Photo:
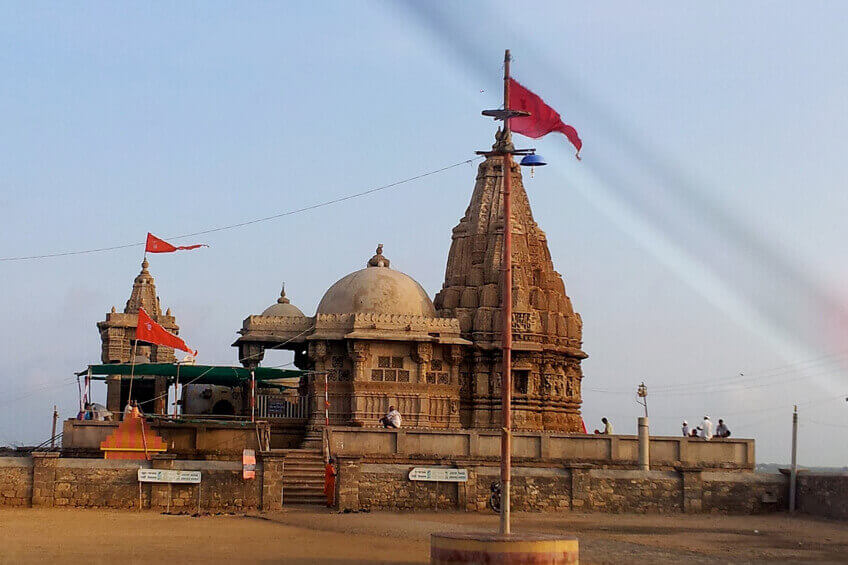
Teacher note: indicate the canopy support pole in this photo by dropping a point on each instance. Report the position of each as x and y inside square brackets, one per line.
[132, 370]
[252, 396]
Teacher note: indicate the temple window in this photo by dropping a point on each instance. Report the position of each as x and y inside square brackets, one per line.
[519, 381]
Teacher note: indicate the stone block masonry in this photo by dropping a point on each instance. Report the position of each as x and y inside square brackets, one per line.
[823, 495]
[47, 480]
[15, 481]
[562, 488]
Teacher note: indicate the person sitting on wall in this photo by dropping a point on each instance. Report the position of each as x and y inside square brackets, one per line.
[685, 428]
[99, 413]
[696, 432]
[607, 427]
[722, 430]
[391, 419]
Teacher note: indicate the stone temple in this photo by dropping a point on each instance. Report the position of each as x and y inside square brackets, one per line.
[382, 341]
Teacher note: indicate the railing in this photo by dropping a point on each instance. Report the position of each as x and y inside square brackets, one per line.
[275, 406]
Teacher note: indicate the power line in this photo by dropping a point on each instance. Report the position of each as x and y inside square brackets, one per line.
[247, 222]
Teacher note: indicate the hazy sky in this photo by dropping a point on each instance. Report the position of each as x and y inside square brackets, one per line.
[702, 236]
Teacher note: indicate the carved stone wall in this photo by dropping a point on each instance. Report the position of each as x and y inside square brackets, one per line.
[547, 332]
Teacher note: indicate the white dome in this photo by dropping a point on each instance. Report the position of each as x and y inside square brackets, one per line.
[379, 290]
[283, 307]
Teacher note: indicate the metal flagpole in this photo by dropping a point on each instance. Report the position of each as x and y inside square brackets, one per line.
[504, 149]
[506, 326]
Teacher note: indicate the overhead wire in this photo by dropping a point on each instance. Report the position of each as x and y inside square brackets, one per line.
[248, 222]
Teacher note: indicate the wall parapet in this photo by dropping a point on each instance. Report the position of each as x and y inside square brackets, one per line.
[600, 450]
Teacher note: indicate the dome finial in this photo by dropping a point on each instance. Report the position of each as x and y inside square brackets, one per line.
[144, 265]
[282, 299]
[378, 260]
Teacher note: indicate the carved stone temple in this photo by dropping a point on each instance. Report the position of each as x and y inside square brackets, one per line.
[117, 335]
[380, 340]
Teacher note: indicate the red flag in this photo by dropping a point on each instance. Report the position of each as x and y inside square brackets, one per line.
[542, 119]
[151, 332]
[156, 245]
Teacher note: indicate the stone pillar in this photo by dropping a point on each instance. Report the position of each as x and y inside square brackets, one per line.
[422, 355]
[161, 493]
[160, 404]
[44, 478]
[273, 463]
[644, 445]
[581, 486]
[359, 355]
[693, 490]
[480, 415]
[347, 484]
[466, 498]
[318, 352]
[113, 394]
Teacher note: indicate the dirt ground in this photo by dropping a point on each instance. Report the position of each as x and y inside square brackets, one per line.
[315, 535]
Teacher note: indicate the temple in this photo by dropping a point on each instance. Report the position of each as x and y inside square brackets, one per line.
[379, 340]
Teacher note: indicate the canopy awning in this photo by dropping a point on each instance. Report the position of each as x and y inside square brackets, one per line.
[200, 374]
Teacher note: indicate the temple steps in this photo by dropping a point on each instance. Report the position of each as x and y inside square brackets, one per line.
[303, 477]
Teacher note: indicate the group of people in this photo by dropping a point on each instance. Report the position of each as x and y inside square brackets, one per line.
[705, 430]
[96, 412]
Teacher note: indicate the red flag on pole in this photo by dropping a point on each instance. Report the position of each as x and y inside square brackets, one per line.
[151, 332]
[156, 245]
[542, 119]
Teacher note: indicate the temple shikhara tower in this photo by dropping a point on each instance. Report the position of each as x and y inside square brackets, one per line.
[547, 332]
[117, 335]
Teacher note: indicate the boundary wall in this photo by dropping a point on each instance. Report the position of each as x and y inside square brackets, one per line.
[577, 487]
[46, 480]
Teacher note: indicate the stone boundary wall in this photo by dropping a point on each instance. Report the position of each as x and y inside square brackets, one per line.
[823, 495]
[577, 487]
[601, 450]
[46, 480]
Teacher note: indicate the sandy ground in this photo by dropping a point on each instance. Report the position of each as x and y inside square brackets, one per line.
[316, 535]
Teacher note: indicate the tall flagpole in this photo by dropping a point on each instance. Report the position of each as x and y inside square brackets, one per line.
[506, 326]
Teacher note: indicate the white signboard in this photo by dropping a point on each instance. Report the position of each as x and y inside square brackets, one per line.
[168, 476]
[438, 474]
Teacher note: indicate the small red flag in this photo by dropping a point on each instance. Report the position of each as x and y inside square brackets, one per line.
[156, 245]
[151, 332]
[542, 119]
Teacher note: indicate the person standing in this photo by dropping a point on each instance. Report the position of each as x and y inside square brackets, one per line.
[330, 482]
[607, 427]
[707, 429]
[685, 428]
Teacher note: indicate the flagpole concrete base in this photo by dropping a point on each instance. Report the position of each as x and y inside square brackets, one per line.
[450, 548]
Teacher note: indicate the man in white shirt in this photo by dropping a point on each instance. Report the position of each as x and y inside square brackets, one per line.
[685, 428]
[391, 419]
[707, 428]
[607, 427]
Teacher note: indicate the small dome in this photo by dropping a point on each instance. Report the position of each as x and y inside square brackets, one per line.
[283, 307]
[377, 289]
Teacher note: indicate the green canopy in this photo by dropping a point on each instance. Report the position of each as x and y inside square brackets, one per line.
[201, 374]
